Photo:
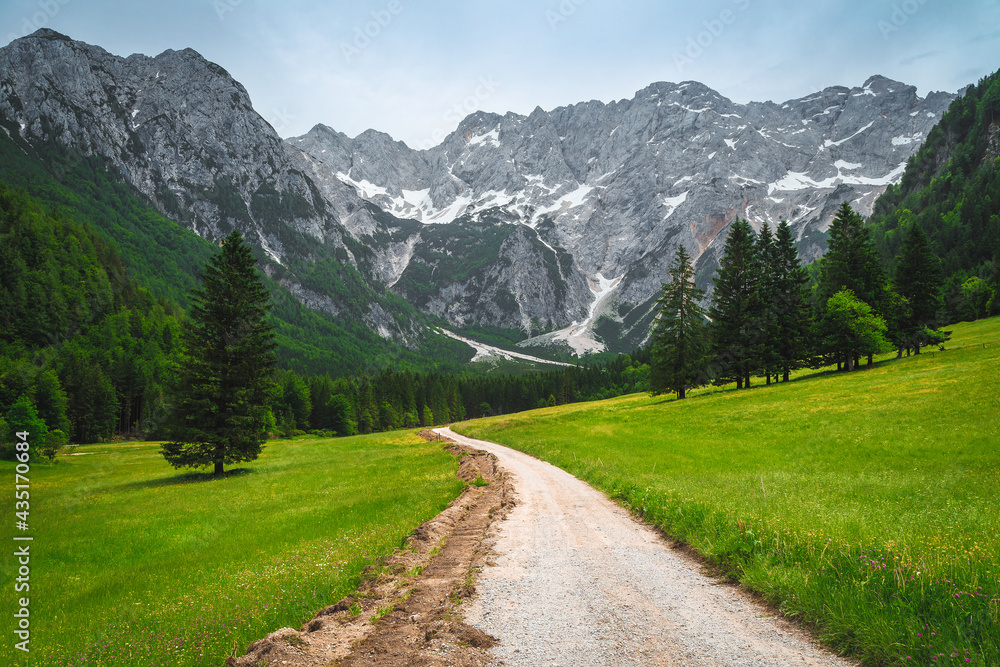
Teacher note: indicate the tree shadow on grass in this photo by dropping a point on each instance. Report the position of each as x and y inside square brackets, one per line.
[184, 478]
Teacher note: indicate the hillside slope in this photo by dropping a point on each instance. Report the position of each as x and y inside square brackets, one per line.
[951, 188]
[181, 132]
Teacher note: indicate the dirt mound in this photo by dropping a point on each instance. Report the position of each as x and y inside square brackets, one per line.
[407, 609]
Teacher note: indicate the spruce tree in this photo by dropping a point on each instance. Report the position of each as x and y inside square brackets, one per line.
[918, 280]
[226, 373]
[679, 342]
[734, 311]
[789, 302]
[852, 262]
[768, 325]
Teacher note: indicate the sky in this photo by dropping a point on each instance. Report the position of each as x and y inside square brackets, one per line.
[414, 68]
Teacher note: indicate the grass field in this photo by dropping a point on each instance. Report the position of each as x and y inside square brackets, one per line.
[134, 563]
[867, 504]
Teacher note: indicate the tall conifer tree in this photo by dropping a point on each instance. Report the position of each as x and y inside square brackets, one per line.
[789, 302]
[918, 280]
[735, 305]
[769, 360]
[679, 340]
[226, 374]
[852, 262]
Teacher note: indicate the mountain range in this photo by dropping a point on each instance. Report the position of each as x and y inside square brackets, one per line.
[552, 229]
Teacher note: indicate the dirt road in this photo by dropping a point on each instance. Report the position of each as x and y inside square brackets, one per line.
[577, 581]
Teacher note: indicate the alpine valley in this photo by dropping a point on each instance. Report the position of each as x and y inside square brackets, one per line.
[552, 231]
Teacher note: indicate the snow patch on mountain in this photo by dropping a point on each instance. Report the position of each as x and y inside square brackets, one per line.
[365, 189]
[486, 352]
[578, 336]
[571, 200]
[671, 203]
[830, 144]
[492, 138]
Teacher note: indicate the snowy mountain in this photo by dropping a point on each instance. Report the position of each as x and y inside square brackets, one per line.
[558, 225]
[600, 195]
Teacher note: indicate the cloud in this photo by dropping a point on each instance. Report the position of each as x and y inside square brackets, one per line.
[985, 37]
[921, 56]
[416, 61]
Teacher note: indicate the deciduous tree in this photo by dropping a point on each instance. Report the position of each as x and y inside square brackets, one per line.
[852, 329]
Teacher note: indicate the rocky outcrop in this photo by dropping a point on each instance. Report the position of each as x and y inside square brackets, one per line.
[618, 187]
[560, 222]
[185, 134]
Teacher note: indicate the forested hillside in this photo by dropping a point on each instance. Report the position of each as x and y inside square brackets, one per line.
[166, 259]
[88, 351]
[951, 189]
[87, 346]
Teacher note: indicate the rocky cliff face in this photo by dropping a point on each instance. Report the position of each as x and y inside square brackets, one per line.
[185, 134]
[561, 222]
[618, 187]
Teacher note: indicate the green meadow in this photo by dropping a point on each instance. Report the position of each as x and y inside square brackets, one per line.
[866, 504]
[134, 563]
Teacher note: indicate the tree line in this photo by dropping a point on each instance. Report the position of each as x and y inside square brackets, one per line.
[89, 355]
[403, 399]
[766, 320]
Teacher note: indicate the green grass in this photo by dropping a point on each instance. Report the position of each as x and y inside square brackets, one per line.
[134, 563]
[866, 504]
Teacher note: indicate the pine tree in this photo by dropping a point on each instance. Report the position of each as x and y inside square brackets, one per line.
[768, 324]
[852, 262]
[918, 280]
[679, 343]
[734, 311]
[226, 373]
[789, 302]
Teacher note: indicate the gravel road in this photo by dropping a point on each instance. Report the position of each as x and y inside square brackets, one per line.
[578, 581]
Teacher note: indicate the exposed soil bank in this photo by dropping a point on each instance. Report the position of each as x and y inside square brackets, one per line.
[407, 609]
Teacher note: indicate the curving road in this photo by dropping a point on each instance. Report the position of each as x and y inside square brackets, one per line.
[578, 581]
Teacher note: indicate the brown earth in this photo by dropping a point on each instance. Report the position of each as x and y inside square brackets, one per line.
[407, 610]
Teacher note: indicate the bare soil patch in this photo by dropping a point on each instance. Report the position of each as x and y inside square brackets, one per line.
[407, 610]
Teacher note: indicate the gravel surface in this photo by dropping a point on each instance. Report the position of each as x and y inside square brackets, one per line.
[578, 581]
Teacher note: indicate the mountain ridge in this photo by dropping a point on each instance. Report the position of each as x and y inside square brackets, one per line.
[618, 186]
[559, 224]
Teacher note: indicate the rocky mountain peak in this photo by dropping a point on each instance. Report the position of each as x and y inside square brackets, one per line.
[619, 186]
[572, 215]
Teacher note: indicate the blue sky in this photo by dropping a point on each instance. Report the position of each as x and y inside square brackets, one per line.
[412, 68]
